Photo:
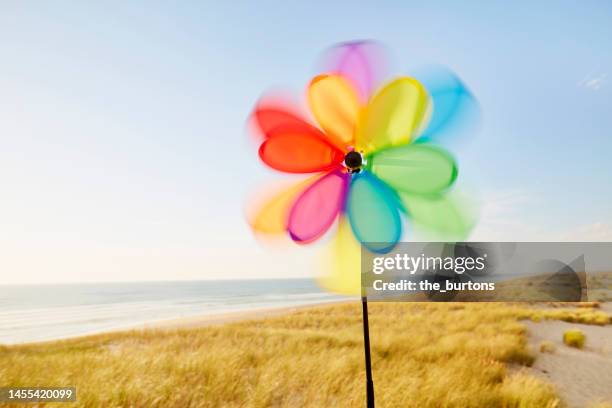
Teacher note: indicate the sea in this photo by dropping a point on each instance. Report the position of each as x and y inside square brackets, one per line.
[30, 313]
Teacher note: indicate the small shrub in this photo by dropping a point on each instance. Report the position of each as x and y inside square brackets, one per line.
[547, 347]
[574, 338]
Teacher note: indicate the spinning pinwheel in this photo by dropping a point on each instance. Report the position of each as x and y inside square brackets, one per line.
[377, 157]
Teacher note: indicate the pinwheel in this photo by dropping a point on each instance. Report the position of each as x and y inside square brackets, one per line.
[376, 156]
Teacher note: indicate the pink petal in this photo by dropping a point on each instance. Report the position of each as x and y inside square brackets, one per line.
[361, 62]
[317, 207]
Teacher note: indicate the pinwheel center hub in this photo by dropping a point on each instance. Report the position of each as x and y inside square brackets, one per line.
[353, 161]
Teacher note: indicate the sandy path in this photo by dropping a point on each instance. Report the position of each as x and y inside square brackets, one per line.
[582, 377]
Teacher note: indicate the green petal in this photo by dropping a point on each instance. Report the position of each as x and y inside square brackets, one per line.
[442, 216]
[416, 168]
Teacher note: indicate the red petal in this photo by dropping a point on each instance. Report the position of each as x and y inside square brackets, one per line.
[274, 121]
[299, 153]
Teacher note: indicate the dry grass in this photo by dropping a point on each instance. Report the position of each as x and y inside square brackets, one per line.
[424, 355]
[580, 315]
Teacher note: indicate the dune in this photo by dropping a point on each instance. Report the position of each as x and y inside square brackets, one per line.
[424, 355]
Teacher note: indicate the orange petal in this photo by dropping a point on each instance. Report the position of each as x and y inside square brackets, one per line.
[335, 105]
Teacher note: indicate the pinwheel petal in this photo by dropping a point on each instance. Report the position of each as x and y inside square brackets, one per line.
[446, 217]
[335, 106]
[342, 262]
[454, 107]
[299, 153]
[361, 62]
[416, 168]
[373, 211]
[393, 115]
[316, 208]
[271, 214]
[273, 120]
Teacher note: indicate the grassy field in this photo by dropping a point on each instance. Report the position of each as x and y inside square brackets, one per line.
[424, 355]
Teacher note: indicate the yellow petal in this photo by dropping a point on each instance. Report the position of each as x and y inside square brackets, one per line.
[393, 116]
[335, 105]
[342, 262]
[269, 215]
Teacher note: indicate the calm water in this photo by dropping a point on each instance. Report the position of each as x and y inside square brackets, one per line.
[43, 312]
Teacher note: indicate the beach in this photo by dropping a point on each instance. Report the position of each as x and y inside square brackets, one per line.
[424, 355]
[30, 313]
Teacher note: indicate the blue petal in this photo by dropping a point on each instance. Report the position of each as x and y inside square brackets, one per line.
[455, 110]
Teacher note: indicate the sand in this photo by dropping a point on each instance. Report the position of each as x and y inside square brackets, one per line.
[582, 377]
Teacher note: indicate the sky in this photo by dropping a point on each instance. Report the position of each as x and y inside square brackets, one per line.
[123, 148]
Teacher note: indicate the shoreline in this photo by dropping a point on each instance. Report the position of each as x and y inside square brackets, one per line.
[187, 322]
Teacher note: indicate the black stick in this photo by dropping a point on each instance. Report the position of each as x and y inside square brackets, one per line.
[366, 349]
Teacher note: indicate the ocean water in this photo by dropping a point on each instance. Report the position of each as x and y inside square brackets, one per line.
[44, 312]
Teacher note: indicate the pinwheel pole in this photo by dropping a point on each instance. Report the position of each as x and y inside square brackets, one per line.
[366, 350]
[353, 161]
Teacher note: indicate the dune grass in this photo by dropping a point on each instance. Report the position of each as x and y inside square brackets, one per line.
[424, 355]
[581, 315]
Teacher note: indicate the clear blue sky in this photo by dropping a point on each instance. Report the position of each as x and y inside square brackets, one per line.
[123, 153]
